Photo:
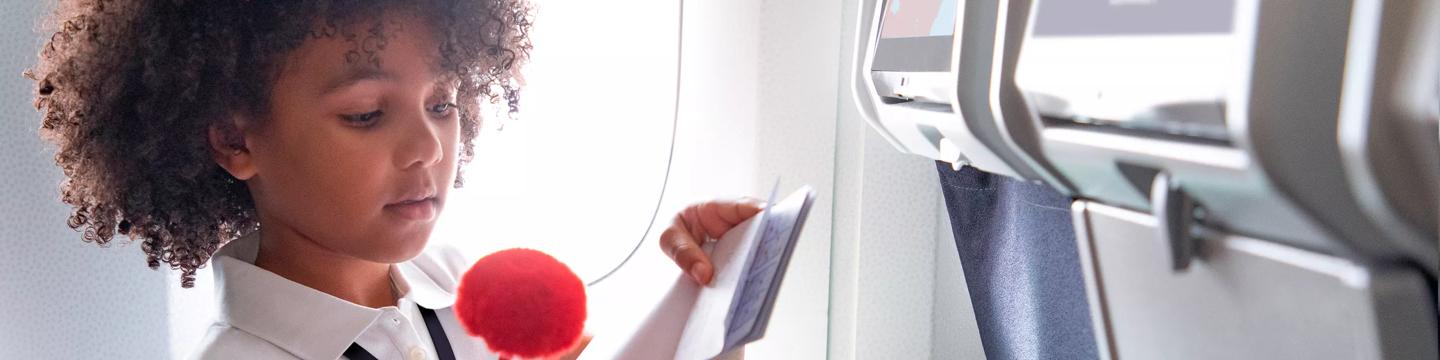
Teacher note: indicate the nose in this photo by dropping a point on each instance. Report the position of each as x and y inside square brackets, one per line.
[420, 143]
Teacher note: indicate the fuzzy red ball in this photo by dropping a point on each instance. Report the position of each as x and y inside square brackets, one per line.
[523, 303]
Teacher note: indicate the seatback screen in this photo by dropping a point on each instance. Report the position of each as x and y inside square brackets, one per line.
[916, 35]
[918, 18]
[1133, 17]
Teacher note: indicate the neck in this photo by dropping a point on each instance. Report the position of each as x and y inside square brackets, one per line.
[300, 259]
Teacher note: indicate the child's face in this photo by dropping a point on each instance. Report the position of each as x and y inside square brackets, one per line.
[358, 158]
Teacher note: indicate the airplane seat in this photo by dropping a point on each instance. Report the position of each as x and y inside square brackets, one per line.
[1387, 115]
[1242, 178]
[1027, 293]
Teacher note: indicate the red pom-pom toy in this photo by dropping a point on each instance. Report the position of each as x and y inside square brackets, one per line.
[523, 302]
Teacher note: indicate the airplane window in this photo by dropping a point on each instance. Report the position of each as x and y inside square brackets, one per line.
[578, 172]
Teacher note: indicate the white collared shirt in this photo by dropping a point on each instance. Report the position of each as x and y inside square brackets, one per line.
[265, 316]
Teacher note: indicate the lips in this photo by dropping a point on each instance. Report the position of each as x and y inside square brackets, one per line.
[418, 210]
[420, 205]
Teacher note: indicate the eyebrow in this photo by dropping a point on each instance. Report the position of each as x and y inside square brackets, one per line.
[352, 76]
[357, 74]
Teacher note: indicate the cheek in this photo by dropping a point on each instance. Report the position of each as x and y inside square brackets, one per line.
[355, 171]
[353, 175]
[451, 143]
[323, 172]
[344, 190]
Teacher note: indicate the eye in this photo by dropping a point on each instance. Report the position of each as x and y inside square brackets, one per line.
[362, 120]
[442, 108]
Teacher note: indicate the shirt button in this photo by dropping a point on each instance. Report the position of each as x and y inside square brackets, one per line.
[415, 353]
[395, 321]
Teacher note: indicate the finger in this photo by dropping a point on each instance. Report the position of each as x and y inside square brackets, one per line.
[675, 237]
[712, 221]
[718, 217]
[745, 208]
[692, 216]
[678, 242]
[574, 352]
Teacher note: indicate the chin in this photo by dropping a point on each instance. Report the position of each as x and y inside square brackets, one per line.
[398, 248]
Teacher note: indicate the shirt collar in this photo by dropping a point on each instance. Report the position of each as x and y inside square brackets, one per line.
[306, 322]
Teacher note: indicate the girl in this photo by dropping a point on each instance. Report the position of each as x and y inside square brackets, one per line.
[307, 146]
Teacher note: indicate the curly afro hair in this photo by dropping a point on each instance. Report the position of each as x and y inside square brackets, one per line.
[129, 89]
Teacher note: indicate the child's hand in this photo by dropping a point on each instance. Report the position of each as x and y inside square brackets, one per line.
[707, 220]
[573, 354]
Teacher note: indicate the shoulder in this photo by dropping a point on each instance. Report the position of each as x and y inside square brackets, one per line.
[223, 342]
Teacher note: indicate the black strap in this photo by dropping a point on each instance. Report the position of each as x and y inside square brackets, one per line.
[437, 334]
[355, 352]
[437, 337]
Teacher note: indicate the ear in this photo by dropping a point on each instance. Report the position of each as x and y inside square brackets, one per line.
[227, 147]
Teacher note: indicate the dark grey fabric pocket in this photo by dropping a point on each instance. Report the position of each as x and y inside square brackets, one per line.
[1017, 247]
